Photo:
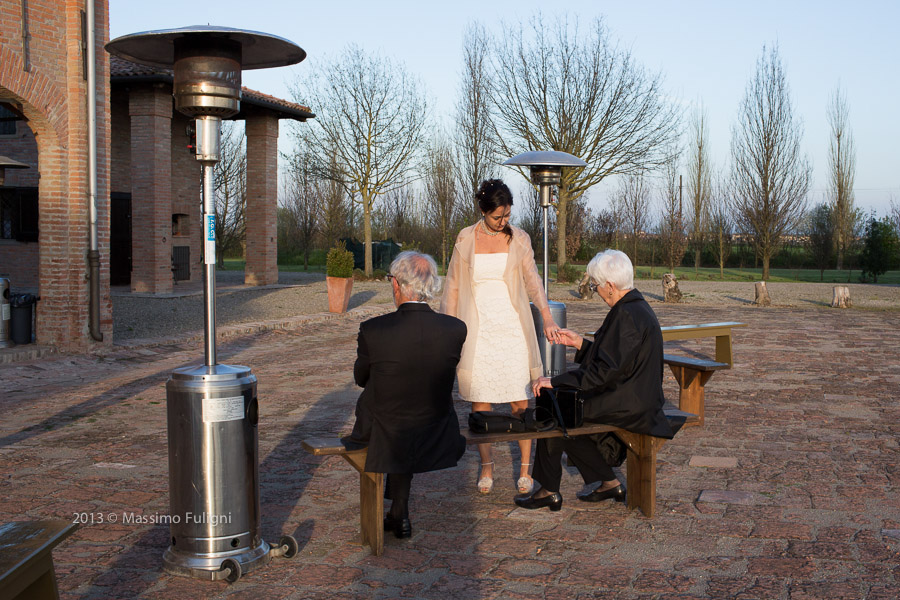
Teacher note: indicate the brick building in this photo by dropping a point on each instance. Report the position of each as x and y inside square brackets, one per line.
[148, 183]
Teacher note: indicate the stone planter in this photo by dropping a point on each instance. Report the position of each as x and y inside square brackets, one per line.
[339, 289]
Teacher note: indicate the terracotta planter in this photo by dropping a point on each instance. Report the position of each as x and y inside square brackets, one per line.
[339, 289]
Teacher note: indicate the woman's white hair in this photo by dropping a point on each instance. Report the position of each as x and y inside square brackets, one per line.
[417, 275]
[613, 266]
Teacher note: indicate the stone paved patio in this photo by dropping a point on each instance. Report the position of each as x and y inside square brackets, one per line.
[790, 491]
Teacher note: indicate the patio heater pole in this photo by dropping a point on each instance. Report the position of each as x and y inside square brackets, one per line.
[212, 411]
[546, 171]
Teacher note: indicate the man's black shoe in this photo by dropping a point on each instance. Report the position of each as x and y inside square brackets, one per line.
[617, 493]
[553, 501]
[402, 528]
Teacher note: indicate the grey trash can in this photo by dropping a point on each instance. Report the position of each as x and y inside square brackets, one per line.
[21, 317]
[555, 363]
[5, 342]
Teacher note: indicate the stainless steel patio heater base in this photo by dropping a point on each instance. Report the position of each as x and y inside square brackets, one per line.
[213, 416]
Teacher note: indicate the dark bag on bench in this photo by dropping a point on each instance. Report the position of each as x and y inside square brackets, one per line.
[483, 421]
[565, 405]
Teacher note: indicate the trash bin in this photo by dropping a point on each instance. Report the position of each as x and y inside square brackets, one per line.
[5, 342]
[21, 317]
[555, 363]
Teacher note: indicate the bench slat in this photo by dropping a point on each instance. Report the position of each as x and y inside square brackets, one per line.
[698, 364]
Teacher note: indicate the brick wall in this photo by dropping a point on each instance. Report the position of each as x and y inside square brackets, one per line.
[150, 108]
[186, 191]
[261, 250]
[51, 92]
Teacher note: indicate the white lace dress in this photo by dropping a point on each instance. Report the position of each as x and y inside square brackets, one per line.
[500, 372]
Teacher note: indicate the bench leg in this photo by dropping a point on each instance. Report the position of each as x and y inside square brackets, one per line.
[640, 470]
[691, 395]
[371, 504]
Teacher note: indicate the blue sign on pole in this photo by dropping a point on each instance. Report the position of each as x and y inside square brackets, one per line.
[209, 249]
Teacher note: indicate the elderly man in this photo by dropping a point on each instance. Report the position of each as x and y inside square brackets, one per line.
[406, 363]
[619, 378]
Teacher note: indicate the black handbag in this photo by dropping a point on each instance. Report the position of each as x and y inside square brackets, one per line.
[483, 421]
[565, 404]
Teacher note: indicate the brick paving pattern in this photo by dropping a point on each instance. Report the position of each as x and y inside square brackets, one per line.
[790, 491]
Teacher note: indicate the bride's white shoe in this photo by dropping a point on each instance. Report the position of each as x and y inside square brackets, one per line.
[486, 484]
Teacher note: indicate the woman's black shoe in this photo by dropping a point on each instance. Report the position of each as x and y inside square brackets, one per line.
[553, 501]
[617, 493]
[402, 528]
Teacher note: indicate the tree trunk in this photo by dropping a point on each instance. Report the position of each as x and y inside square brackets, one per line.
[765, 266]
[563, 204]
[841, 297]
[367, 234]
[762, 295]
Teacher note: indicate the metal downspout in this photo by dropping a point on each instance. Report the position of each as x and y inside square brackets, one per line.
[93, 255]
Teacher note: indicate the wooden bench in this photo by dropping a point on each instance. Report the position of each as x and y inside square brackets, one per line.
[640, 468]
[26, 562]
[693, 373]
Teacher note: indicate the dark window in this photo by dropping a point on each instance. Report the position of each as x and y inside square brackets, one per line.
[19, 214]
[7, 121]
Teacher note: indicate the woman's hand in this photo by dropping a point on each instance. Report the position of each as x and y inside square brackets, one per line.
[567, 337]
[538, 384]
[551, 331]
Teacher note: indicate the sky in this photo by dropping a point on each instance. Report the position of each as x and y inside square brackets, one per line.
[705, 50]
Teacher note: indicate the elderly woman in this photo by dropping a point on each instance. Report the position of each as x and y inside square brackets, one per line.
[619, 378]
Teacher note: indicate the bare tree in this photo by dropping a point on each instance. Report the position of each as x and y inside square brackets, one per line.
[334, 209]
[894, 214]
[842, 171]
[770, 178]
[699, 184]
[555, 89]
[300, 203]
[634, 197]
[230, 183]
[531, 220]
[474, 138]
[819, 238]
[371, 112]
[441, 193]
[721, 227]
[672, 222]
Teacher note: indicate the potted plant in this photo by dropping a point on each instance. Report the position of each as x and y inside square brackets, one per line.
[339, 277]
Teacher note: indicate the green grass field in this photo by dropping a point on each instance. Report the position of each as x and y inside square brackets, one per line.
[683, 273]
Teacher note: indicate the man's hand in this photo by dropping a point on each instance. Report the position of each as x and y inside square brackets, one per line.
[538, 384]
[567, 337]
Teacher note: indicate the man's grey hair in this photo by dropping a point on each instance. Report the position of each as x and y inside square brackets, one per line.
[417, 274]
[613, 266]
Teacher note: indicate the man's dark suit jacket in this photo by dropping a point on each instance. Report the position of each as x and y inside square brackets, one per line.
[620, 373]
[406, 363]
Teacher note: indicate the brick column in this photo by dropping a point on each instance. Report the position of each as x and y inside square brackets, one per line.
[150, 109]
[262, 200]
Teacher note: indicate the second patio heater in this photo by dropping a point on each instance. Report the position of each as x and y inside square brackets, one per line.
[212, 410]
[546, 171]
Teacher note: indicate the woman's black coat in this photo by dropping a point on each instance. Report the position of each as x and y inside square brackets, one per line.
[620, 372]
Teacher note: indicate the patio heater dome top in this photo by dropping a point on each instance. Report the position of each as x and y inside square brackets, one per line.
[545, 158]
[157, 48]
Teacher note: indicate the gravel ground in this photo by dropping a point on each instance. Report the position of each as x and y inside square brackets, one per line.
[137, 316]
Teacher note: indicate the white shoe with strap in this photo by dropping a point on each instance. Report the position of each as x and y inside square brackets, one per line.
[486, 484]
[525, 483]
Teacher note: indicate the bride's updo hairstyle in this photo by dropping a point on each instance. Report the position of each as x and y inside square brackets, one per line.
[493, 194]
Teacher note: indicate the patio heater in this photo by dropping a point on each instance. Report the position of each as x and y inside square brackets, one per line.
[212, 410]
[546, 171]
